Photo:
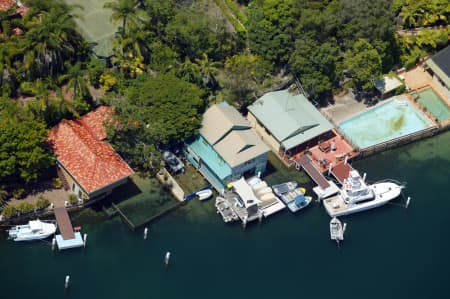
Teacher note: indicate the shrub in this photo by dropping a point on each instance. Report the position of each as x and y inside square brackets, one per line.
[25, 207]
[18, 193]
[73, 199]
[57, 183]
[42, 202]
[9, 211]
[108, 81]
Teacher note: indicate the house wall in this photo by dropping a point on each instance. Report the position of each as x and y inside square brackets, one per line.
[76, 188]
[266, 136]
[253, 166]
[439, 82]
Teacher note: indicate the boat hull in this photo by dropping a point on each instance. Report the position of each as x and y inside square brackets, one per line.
[384, 192]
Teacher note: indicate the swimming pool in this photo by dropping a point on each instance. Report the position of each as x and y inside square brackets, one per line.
[434, 104]
[392, 119]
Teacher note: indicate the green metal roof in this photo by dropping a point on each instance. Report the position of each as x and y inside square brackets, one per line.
[290, 118]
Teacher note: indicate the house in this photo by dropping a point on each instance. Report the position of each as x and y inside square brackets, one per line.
[226, 148]
[88, 164]
[288, 122]
[439, 67]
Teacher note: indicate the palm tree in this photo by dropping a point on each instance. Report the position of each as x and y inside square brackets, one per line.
[76, 80]
[189, 71]
[208, 70]
[50, 40]
[124, 10]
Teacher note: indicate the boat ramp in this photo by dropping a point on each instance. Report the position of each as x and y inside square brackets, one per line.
[68, 238]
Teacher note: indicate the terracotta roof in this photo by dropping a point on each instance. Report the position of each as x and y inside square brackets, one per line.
[7, 4]
[80, 147]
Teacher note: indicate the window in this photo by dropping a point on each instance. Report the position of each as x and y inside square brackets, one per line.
[79, 194]
[73, 186]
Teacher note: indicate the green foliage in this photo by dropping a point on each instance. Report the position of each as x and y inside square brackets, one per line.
[42, 202]
[156, 111]
[57, 183]
[271, 28]
[9, 211]
[25, 207]
[363, 62]
[418, 13]
[18, 193]
[3, 196]
[73, 199]
[163, 57]
[23, 152]
[245, 75]
[95, 70]
[234, 16]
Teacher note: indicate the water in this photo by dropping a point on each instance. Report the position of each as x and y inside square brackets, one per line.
[389, 120]
[434, 104]
[388, 252]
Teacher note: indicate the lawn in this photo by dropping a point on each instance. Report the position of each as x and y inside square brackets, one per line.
[191, 180]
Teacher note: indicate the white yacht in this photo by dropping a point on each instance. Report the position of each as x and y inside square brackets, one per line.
[356, 196]
[336, 230]
[34, 230]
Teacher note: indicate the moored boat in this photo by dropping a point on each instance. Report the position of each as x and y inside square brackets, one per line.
[34, 230]
[300, 202]
[336, 230]
[356, 196]
[283, 188]
[204, 194]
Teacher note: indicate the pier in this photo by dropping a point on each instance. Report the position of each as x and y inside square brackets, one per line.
[67, 238]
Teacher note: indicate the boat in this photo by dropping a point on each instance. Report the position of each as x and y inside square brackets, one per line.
[300, 202]
[34, 230]
[204, 194]
[225, 210]
[336, 230]
[355, 196]
[280, 189]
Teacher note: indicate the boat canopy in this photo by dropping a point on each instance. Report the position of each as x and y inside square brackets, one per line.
[35, 225]
[245, 192]
[299, 199]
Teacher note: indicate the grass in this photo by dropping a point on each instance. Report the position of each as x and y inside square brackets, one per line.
[277, 172]
[191, 180]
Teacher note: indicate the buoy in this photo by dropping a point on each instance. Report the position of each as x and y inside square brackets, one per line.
[145, 233]
[407, 202]
[166, 259]
[84, 240]
[67, 284]
[53, 243]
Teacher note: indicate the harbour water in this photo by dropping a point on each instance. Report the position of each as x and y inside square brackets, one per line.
[389, 252]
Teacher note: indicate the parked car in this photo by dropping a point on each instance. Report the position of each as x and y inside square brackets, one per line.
[173, 162]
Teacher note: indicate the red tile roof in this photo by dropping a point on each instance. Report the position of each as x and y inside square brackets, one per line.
[7, 4]
[80, 147]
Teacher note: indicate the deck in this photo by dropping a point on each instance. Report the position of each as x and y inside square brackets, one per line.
[341, 171]
[64, 224]
[306, 163]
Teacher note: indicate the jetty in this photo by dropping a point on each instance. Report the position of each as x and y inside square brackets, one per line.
[324, 188]
[67, 237]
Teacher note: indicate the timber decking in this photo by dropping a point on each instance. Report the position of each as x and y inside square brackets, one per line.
[64, 224]
[306, 163]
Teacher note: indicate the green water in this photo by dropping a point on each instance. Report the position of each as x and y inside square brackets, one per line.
[389, 252]
[434, 104]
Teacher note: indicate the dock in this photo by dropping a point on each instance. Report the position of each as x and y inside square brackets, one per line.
[67, 238]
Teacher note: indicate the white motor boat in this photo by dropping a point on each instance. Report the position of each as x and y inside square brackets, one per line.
[356, 196]
[204, 194]
[34, 230]
[336, 230]
[283, 188]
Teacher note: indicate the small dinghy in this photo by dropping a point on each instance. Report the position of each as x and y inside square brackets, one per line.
[204, 194]
[337, 230]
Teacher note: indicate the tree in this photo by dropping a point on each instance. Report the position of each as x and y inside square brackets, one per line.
[363, 62]
[24, 155]
[315, 65]
[76, 80]
[155, 111]
[271, 28]
[208, 69]
[124, 10]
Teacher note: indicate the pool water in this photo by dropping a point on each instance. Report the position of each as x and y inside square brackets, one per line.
[392, 119]
[434, 104]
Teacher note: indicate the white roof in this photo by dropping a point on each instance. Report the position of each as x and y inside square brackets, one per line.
[245, 192]
[387, 84]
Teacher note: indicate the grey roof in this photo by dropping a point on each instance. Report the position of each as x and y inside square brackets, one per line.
[230, 134]
[218, 120]
[440, 64]
[290, 118]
